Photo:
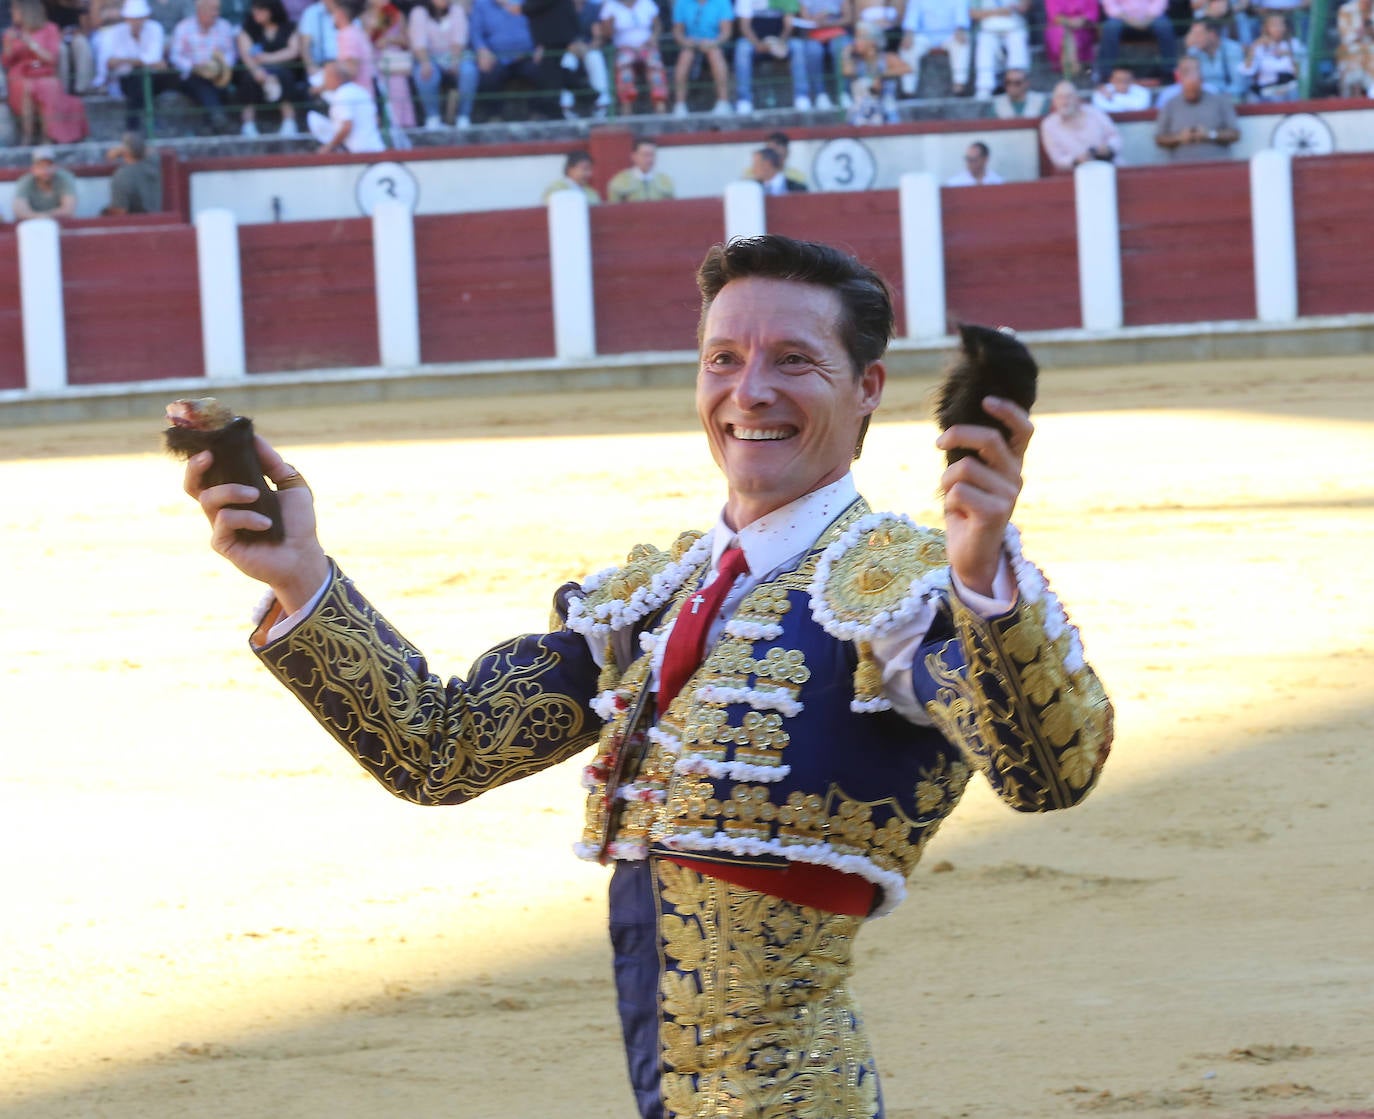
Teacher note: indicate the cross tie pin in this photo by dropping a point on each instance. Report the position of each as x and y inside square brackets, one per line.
[685, 643]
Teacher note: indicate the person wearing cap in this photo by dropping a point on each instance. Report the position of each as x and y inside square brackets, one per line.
[133, 52]
[46, 191]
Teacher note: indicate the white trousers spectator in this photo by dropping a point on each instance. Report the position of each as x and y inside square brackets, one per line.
[959, 55]
[1009, 48]
[321, 127]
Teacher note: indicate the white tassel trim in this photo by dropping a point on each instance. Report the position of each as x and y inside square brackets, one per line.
[919, 594]
[736, 771]
[750, 630]
[609, 704]
[616, 614]
[668, 743]
[1033, 587]
[892, 884]
[639, 791]
[628, 852]
[868, 706]
[761, 699]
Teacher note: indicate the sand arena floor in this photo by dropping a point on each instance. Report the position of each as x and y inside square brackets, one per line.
[211, 912]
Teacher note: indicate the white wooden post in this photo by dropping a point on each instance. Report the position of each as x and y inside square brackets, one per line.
[221, 294]
[923, 255]
[570, 267]
[744, 210]
[1099, 245]
[41, 307]
[1272, 231]
[398, 298]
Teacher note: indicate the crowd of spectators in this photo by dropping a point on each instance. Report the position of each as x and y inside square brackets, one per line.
[445, 63]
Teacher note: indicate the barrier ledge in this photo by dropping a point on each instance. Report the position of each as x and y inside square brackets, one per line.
[1331, 335]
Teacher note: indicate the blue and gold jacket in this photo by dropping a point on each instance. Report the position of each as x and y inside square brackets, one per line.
[780, 747]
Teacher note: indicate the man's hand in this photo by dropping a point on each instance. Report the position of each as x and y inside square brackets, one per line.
[485, 60]
[294, 568]
[980, 493]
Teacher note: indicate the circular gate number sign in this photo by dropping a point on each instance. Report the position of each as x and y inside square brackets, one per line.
[844, 164]
[387, 181]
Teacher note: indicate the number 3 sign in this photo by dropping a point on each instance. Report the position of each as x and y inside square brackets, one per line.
[844, 164]
[381, 181]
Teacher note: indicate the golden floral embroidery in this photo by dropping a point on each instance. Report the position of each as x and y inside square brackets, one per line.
[758, 1020]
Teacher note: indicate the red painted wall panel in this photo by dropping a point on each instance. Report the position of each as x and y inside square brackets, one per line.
[865, 223]
[132, 300]
[1011, 255]
[1335, 262]
[644, 260]
[1186, 252]
[308, 300]
[11, 320]
[484, 285]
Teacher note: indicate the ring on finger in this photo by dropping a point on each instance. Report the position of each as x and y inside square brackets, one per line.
[292, 481]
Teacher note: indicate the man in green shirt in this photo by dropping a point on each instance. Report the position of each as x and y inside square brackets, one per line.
[46, 191]
[639, 182]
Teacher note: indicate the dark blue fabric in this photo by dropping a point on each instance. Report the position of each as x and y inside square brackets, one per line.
[634, 939]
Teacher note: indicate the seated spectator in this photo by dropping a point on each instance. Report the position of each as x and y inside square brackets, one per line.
[1274, 61]
[766, 169]
[1235, 17]
[352, 45]
[1071, 35]
[937, 25]
[271, 54]
[570, 61]
[1122, 93]
[702, 28]
[632, 26]
[779, 142]
[503, 51]
[976, 171]
[1075, 133]
[136, 185]
[1135, 19]
[1019, 101]
[351, 125]
[820, 32]
[1002, 40]
[1221, 59]
[873, 74]
[639, 182]
[1197, 124]
[1355, 54]
[46, 191]
[884, 18]
[577, 175]
[29, 53]
[386, 31]
[1299, 13]
[319, 40]
[438, 38]
[204, 54]
[765, 27]
[132, 55]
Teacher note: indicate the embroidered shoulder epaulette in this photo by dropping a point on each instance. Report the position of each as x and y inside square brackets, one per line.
[881, 573]
[618, 597]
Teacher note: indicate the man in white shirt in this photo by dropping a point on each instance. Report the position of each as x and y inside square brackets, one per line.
[1000, 38]
[976, 171]
[790, 703]
[132, 54]
[351, 125]
[1122, 93]
[937, 25]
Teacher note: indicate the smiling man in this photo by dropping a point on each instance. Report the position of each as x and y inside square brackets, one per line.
[784, 707]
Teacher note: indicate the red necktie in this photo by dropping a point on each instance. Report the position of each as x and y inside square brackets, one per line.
[684, 651]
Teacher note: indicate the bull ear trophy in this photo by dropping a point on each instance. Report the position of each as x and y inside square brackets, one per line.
[989, 362]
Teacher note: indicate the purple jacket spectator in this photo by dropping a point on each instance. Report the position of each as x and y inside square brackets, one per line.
[495, 29]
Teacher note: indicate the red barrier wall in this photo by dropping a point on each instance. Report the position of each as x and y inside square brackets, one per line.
[644, 260]
[868, 224]
[132, 300]
[308, 300]
[1332, 216]
[484, 285]
[11, 318]
[1011, 255]
[1186, 253]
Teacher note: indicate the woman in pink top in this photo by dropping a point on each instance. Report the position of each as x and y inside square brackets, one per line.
[43, 109]
[355, 50]
[386, 28]
[438, 37]
[1071, 34]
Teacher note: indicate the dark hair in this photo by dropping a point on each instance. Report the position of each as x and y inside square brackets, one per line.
[866, 320]
[640, 141]
[983, 149]
[1215, 26]
[135, 144]
[576, 157]
[276, 12]
[770, 157]
[779, 138]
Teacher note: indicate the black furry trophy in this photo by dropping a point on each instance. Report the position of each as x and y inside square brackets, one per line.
[207, 425]
[989, 363]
